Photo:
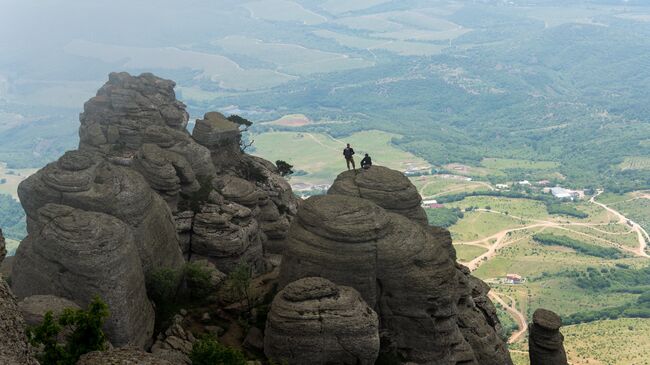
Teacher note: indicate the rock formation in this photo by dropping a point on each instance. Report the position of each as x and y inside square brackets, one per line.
[545, 341]
[314, 321]
[14, 348]
[175, 343]
[139, 195]
[3, 249]
[387, 188]
[431, 312]
[78, 255]
[122, 356]
[34, 308]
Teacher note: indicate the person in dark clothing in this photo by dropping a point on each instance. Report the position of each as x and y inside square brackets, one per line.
[366, 162]
[348, 153]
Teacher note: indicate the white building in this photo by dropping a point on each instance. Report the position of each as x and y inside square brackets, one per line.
[562, 193]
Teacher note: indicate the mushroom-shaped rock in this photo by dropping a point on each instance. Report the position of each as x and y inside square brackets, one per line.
[389, 189]
[545, 340]
[314, 321]
[35, 307]
[221, 137]
[396, 265]
[78, 255]
[227, 235]
[14, 347]
[122, 356]
[113, 190]
[335, 237]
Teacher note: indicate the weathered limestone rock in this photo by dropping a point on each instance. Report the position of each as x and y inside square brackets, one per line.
[226, 235]
[354, 242]
[175, 343]
[34, 308]
[403, 269]
[85, 181]
[387, 188]
[221, 137]
[78, 255]
[314, 321]
[14, 347]
[545, 340]
[125, 106]
[3, 249]
[122, 356]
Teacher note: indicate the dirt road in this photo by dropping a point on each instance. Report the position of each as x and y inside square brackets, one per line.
[516, 315]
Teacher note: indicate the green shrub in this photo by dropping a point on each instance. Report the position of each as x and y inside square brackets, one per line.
[208, 351]
[582, 247]
[162, 285]
[86, 335]
[198, 280]
[238, 283]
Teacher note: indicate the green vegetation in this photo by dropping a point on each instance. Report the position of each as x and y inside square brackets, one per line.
[444, 217]
[238, 284]
[466, 253]
[208, 351]
[582, 247]
[198, 281]
[12, 218]
[85, 334]
[284, 168]
[617, 342]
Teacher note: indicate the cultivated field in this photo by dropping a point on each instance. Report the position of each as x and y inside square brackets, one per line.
[321, 156]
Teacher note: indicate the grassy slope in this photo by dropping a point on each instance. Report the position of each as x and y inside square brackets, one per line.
[321, 155]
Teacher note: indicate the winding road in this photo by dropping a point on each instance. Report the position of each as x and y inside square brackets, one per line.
[500, 240]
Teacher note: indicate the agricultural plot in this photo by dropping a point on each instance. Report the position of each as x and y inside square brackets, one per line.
[635, 163]
[344, 6]
[320, 155]
[291, 58]
[519, 208]
[402, 48]
[283, 11]
[467, 253]
[507, 163]
[622, 341]
[478, 225]
[11, 178]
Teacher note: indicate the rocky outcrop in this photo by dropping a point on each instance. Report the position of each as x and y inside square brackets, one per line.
[34, 308]
[3, 249]
[78, 255]
[545, 341]
[140, 195]
[175, 343]
[85, 181]
[387, 188]
[122, 356]
[314, 321]
[14, 347]
[443, 315]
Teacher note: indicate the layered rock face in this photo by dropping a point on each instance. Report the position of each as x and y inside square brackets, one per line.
[314, 321]
[545, 341]
[3, 249]
[14, 348]
[79, 255]
[431, 312]
[387, 188]
[140, 195]
[122, 356]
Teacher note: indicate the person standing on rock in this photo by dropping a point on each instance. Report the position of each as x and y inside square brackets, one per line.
[366, 162]
[348, 153]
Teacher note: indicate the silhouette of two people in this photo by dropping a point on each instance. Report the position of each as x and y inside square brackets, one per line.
[348, 153]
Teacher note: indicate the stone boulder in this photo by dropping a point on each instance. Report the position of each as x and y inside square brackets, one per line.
[122, 356]
[389, 189]
[34, 308]
[86, 181]
[221, 137]
[124, 107]
[175, 343]
[314, 321]
[3, 248]
[14, 347]
[78, 255]
[354, 242]
[545, 341]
